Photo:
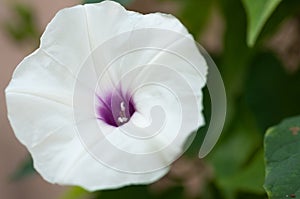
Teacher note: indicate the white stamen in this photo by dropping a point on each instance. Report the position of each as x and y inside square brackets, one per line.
[122, 106]
[120, 119]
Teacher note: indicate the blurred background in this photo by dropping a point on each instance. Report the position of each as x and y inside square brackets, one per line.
[258, 53]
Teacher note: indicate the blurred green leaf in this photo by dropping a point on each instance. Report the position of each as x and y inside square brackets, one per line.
[250, 179]
[24, 170]
[236, 54]
[235, 156]
[271, 92]
[244, 195]
[123, 2]
[140, 191]
[233, 65]
[195, 14]
[75, 193]
[24, 26]
[258, 13]
[228, 157]
[282, 154]
[241, 139]
[285, 9]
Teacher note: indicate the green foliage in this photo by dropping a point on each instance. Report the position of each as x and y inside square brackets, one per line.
[75, 193]
[225, 163]
[250, 179]
[140, 191]
[23, 27]
[285, 10]
[258, 12]
[272, 92]
[237, 159]
[282, 154]
[123, 2]
[236, 55]
[24, 170]
[195, 14]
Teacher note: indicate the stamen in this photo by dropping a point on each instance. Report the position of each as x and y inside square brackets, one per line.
[122, 106]
[122, 119]
[115, 110]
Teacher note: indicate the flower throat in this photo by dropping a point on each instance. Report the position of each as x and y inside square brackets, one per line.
[115, 109]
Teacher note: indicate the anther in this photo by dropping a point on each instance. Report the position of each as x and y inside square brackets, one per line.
[122, 106]
[122, 118]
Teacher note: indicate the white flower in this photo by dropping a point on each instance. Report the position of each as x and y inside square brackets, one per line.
[109, 97]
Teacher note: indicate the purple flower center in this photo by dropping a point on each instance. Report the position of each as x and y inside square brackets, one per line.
[115, 109]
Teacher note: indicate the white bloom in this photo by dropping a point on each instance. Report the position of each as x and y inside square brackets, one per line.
[109, 97]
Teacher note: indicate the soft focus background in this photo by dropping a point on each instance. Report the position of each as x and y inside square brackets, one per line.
[256, 45]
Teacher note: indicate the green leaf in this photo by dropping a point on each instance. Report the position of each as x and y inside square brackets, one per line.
[24, 26]
[75, 193]
[258, 13]
[140, 191]
[236, 157]
[229, 157]
[195, 14]
[24, 170]
[285, 10]
[250, 179]
[123, 2]
[232, 64]
[271, 92]
[282, 156]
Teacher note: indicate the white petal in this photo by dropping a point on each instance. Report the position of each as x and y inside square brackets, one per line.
[66, 38]
[156, 137]
[109, 19]
[68, 163]
[39, 98]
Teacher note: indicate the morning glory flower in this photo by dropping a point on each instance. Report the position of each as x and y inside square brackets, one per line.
[109, 98]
